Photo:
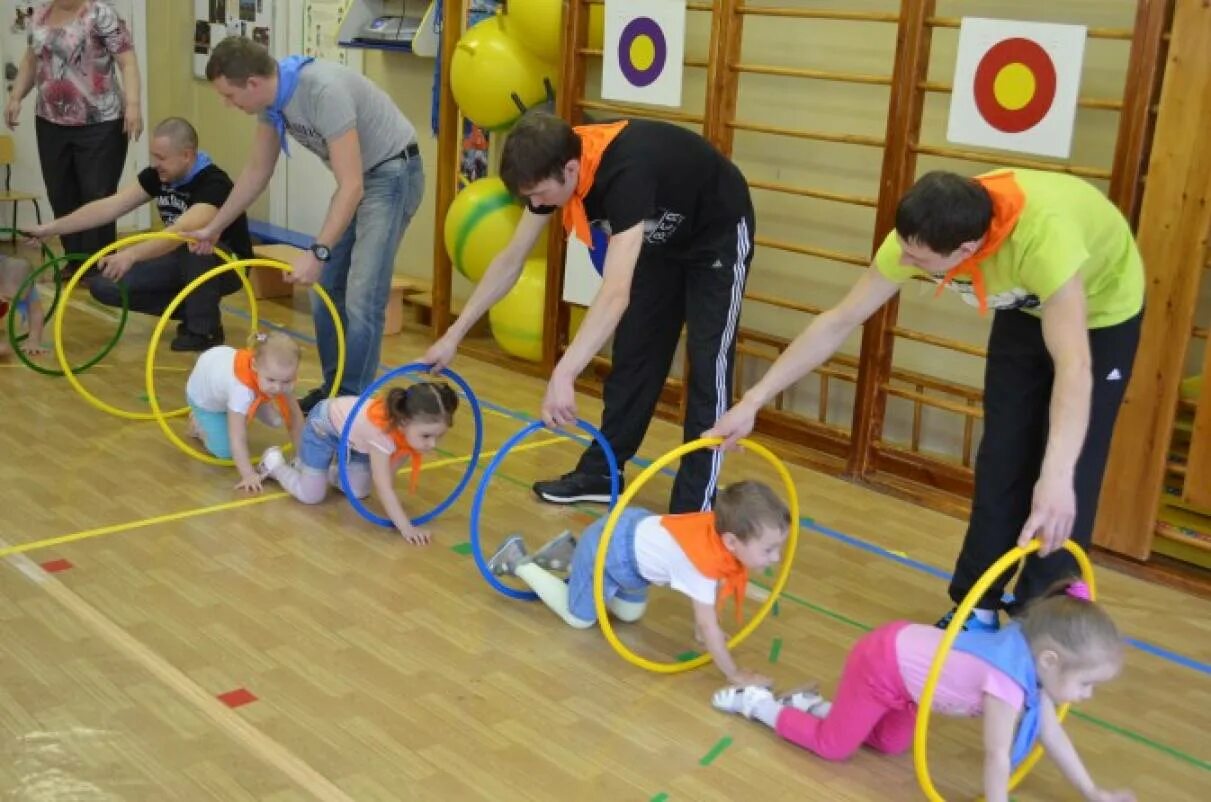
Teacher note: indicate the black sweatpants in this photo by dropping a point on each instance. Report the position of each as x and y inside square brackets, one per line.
[1018, 377]
[704, 293]
[151, 286]
[81, 164]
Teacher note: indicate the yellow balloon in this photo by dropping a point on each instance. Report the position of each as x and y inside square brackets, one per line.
[517, 319]
[537, 24]
[490, 73]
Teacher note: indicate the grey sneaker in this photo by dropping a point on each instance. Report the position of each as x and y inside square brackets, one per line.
[506, 558]
[808, 700]
[556, 555]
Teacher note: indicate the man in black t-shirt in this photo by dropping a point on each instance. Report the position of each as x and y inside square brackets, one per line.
[679, 223]
[188, 190]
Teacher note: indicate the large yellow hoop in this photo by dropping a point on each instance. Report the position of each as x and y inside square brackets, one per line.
[608, 532]
[920, 757]
[162, 418]
[93, 401]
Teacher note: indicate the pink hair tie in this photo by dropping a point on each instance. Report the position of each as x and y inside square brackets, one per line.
[1079, 590]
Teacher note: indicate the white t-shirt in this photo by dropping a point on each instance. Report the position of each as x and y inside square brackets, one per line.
[662, 562]
[213, 386]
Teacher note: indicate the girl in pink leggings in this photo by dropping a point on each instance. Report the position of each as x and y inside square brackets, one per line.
[1055, 653]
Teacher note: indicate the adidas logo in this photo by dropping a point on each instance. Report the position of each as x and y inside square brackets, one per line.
[1114, 376]
[718, 264]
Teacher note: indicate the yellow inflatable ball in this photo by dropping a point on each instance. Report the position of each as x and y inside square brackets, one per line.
[597, 26]
[479, 224]
[517, 320]
[538, 25]
[576, 315]
[489, 68]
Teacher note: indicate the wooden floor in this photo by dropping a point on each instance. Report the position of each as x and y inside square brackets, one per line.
[139, 590]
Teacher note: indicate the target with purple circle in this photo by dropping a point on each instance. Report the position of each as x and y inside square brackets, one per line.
[642, 51]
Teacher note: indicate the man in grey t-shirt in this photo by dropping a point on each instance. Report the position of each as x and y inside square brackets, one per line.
[355, 128]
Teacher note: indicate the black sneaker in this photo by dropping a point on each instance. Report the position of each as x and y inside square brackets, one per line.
[573, 487]
[972, 624]
[187, 340]
[311, 399]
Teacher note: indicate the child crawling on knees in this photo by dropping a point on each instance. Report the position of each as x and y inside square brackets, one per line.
[704, 555]
[1063, 646]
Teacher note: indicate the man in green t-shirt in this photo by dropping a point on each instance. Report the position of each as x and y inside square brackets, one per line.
[1058, 264]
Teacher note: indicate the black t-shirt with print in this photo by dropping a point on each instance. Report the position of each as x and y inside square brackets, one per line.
[685, 192]
[211, 185]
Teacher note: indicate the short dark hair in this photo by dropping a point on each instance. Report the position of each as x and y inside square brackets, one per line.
[745, 508]
[179, 131]
[237, 59]
[538, 148]
[943, 210]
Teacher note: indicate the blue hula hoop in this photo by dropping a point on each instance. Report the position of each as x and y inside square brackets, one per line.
[342, 457]
[477, 550]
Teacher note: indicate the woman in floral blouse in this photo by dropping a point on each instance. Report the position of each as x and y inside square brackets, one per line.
[85, 116]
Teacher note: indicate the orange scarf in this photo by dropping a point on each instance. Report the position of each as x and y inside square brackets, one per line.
[376, 412]
[1008, 201]
[248, 377]
[695, 534]
[594, 139]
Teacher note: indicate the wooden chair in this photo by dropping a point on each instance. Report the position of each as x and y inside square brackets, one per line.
[7, 157]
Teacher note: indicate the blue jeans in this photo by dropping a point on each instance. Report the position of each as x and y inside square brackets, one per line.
[358, 277]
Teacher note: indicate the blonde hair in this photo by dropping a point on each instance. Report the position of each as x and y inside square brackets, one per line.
[275, 345]
[1080, 629]
[743, 508]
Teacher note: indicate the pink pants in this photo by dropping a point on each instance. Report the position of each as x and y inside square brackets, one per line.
[872, 705]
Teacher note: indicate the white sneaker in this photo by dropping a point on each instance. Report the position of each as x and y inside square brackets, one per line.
[740, 700]
[271, 460]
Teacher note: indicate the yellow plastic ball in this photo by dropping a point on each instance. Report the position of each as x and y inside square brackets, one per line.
[517, 319]
[488, 68]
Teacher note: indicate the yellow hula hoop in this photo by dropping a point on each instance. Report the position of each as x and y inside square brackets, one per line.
[612, 520]
[920, 734]
[93, 401]
[162, 418]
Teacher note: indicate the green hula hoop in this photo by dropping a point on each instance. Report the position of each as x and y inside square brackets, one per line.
[27, 286]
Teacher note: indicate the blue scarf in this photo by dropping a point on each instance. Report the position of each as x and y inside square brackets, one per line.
[200, 162]
[1007, 651]
[288, 80]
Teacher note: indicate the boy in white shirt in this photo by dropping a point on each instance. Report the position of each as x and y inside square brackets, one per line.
[693, 553]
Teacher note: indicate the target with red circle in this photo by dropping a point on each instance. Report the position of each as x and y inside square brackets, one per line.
[1015, 85]
[643, 51]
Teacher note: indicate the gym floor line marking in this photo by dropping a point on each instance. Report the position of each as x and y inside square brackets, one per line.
[101, 531]
[1102, 723]
[1152, 649]
[236, 726]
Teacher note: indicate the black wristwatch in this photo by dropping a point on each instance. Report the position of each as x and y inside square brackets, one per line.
[322, 252]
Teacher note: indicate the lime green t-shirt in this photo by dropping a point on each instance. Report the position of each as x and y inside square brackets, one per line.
[1066, 227]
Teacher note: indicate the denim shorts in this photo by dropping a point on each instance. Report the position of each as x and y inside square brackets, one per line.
[321, 441]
